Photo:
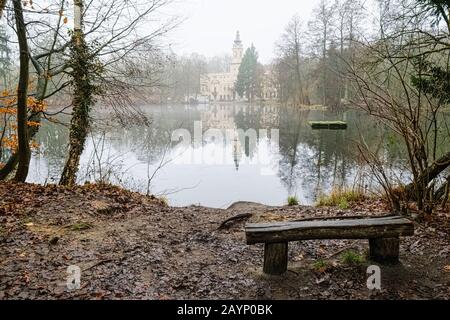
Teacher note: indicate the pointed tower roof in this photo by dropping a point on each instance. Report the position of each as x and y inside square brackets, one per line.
[238, 41]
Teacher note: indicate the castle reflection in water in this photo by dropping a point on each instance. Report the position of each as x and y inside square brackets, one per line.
[307, 162]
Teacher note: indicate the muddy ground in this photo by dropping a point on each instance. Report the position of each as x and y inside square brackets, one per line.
[131, 246]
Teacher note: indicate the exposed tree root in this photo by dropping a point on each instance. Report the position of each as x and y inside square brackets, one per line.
[227, 223]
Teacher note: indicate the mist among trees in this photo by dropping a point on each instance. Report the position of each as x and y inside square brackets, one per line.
[388, 58]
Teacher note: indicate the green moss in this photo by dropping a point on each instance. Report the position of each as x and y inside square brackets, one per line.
[328, 124]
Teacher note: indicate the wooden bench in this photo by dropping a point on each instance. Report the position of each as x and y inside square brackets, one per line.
[383, 234]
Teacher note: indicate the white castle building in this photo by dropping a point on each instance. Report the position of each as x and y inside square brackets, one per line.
[220, 86]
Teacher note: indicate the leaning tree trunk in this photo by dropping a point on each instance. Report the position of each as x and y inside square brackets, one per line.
[428, 175]
[82, 99]
[11, 164]
[442, 191]
[24, 153]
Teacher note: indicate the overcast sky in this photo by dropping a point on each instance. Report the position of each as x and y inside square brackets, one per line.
[211, 25]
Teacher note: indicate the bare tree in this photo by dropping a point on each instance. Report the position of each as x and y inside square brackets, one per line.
[399, 79]
[349, 15]
[321, 30]
[118, 25]
[44, 68]
[290, 53]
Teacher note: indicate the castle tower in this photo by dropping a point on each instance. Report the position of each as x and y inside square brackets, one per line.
[238, 51]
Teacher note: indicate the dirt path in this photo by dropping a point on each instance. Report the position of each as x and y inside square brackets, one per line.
[133, 246]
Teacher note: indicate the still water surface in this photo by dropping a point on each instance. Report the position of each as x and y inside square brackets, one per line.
[222, 169]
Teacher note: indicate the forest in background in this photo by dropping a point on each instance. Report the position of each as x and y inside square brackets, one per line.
[392, 63]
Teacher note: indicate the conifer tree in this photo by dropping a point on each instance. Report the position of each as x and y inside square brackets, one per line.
[248, 83]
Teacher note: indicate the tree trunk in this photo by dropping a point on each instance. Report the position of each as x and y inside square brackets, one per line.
[2, 7]
[324, 67]
[82, 99]
[24, 153]
[11, 164]
[442, 190]
[42, 84]
[428, 175]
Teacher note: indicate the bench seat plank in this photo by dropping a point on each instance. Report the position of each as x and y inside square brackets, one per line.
[367, 228]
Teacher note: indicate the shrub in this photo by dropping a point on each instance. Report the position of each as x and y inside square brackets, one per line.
[340, 198]
[352, 258]
[164, 200]
[321, 265]
[343, 204]
[292, 201]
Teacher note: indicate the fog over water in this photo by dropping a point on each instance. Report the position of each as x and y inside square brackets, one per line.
[220, 171]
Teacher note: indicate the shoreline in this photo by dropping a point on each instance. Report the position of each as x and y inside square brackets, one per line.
[55, 106]
[131, 246]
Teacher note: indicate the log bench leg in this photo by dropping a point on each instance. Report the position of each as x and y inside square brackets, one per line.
[275, 258]
[384, 249]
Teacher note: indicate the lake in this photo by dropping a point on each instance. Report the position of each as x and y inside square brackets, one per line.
[214, 155]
